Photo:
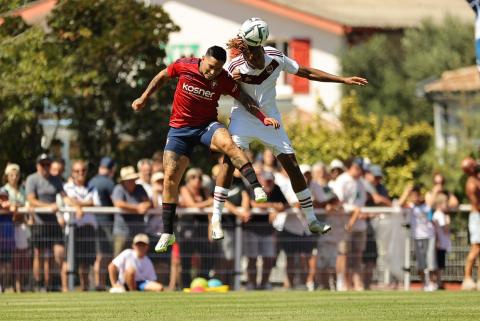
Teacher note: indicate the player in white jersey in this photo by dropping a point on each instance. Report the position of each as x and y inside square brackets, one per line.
[257, 69]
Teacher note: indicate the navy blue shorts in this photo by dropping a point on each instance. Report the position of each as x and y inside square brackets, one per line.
[183, 140]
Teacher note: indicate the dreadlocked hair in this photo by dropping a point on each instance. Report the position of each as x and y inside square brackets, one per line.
[237, 47]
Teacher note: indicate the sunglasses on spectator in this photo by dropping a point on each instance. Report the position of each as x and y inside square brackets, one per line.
[45, 164]
[195, 177]
[83, 170]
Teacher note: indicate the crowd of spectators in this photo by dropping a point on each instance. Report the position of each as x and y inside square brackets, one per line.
[33, 245]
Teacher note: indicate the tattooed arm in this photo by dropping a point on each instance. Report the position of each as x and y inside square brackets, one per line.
[158, 81]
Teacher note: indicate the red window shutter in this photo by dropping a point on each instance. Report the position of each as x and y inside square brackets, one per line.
[300, 52]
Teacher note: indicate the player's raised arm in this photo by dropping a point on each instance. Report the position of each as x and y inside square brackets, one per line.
[319, 75]
[158, 81]
[252, 107]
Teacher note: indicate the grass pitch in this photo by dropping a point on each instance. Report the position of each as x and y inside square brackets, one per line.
[242, 306]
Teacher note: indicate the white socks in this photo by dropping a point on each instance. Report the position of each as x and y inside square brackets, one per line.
[305, 199]
[220, 195]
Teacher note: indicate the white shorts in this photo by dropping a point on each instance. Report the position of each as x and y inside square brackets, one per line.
[474, 227]
[246, 130]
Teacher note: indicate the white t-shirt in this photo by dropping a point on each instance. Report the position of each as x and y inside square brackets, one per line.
[352, 192]
[443, 237]
[422, 228]
[83, 194]
[143, 266]
[260, 84]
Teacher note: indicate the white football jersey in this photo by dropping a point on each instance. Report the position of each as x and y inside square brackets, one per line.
[260, 84]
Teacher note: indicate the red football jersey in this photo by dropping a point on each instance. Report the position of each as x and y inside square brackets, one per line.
[196, 98]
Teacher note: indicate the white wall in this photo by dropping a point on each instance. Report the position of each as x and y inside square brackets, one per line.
[205, 23]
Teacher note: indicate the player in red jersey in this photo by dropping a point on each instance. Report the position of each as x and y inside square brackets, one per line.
[194, 121]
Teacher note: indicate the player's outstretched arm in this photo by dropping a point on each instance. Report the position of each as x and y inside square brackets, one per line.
[252, 107]
[319, 75]
[158, 81]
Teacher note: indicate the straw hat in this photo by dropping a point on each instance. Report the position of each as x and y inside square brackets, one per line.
[128, 173]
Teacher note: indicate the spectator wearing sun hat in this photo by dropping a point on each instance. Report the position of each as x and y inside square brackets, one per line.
[132, 198]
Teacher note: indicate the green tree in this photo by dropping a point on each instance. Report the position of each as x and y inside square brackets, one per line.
[386, 141]
[8, 5]
[24, 83]
[110, 50]
[396, 65]
[95, 58]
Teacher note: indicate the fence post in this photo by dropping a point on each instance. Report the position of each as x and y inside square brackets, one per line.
[238, 254]
[71, 255]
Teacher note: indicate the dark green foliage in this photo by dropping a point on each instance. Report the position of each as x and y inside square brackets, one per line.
[395, 65]
[97, 57]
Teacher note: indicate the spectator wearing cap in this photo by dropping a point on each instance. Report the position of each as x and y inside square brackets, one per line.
[351, 191]
[336, 169]
[144, 167]
[43, 191]
[377, 192]
[84, 224]
[132, 199]
[133, 270]
[258, 233]
[16, 199]
[377, 195]
[194, 228]
[102, 186]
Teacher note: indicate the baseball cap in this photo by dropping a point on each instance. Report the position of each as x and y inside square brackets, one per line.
[107, 162]
[141, 238]
[358, 161]
[304, 168]
[336, 163]
[43, 158]
[376, 170]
